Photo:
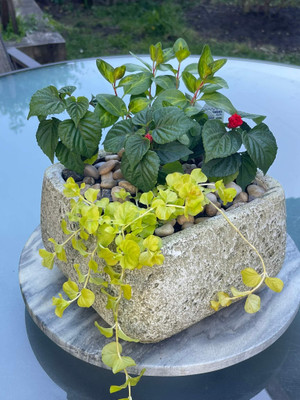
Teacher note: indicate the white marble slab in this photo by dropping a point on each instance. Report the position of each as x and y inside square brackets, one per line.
[224, 339]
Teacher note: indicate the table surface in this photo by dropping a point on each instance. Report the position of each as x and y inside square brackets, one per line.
[32, 367]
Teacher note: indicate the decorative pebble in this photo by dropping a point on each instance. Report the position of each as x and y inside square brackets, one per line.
[187, 225]
[210, 210]
[106, 193]
[212, 197]
[164, 230]
[115, 190]
[108, 184]
[107, 167]
[90, 170]
[89, 180]
[67, 173]
[98, 164]
[233, 185]
[201, 219]
[112, 157]
[120, 153]
[181, 219]
[96, 186]
[118, 174]
[241, 198]
[255, 191]
[128, 187]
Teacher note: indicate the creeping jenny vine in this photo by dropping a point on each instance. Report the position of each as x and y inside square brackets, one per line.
[121, 234]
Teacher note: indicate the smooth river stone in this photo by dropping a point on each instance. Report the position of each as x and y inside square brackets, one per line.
[223, 339]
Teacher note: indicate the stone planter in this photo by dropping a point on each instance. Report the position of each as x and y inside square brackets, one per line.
[199, 261]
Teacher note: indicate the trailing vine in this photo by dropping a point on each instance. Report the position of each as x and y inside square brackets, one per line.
[118, 237]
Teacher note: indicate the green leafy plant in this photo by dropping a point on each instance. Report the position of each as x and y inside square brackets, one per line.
[123, 240]
[159, 124]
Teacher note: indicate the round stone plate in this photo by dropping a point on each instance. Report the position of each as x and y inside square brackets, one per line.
[223, 339]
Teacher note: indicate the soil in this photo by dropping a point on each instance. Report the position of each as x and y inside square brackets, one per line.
[280, 28]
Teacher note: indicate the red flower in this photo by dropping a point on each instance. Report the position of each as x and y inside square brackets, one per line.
[149, 137]
[234, 121]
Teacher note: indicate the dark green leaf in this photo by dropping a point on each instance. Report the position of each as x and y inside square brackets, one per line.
[218, 143]
[261, 146]
[106, 70]
[168, 54]
[143, 118]
[47, 136]
[255, 117]
[210, 88]
[222, 166]
[144, 175]
[173, 151]
[166, 67]
[77, 108]
[203, 65]
[136, 147]
[218, 100]
[170, 124]
[172, 96]
[68, 159]
[113, 104]
[116, 136]
[136, 83]
[67, 90]
[83, 139]
[106, 118]
[166, 81]
[247, 171]
[46, 101]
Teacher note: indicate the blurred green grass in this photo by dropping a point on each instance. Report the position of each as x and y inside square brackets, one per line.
[102, 30]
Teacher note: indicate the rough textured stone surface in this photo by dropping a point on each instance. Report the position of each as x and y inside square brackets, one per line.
[199, 261]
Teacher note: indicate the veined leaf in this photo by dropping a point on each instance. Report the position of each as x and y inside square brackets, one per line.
[173, 151]
[166, 81]
[144, 174]
[107, 332]
[190, 81]
[218, 143]
[261, 146]
[47, 136]
[84, 138]
[116, 136]
[106, 70]
[46, 101]
[113, 104]
[136, 147]
[247, 171]
[71, 289]
[86, 298]
[67, 90]
[250, 277]
[173, 96]
[204, 61]
[69, 159]
[170, 124]
[220, 101]
[252, 304]
[274, 284]
[222, 166]
[76, 108]
[106, 118]
[136, 83]
[138, 104]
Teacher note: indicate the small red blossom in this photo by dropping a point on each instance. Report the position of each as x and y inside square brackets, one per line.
[149, 137]
[234, 121]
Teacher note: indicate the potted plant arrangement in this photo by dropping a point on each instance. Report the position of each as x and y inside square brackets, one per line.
[176, 218]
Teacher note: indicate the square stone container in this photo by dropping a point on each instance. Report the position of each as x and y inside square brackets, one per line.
[199, 261]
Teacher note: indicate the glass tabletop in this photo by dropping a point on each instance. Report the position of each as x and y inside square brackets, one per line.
[32, 367]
